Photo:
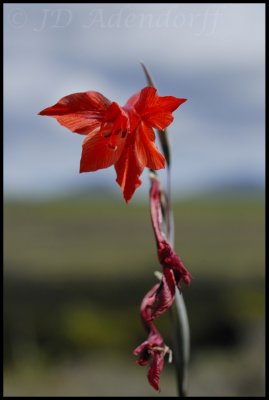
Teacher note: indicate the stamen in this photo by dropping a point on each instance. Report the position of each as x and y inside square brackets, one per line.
[107, 134]
[123, 134]
[158, 275]
[162, 349]
[165, 350]
[117, 131]
[170, 355]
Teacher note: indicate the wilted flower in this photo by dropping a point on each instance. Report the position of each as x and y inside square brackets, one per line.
[162, 295]
[152, 351]
[166, 255]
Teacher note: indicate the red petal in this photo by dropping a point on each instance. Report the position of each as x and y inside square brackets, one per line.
[146, 306]
[152, 351]
[156, 110]
[128, 170]
[165, 296]
[169, 259]
[97, 152]
[79, 112]
[146, 350]
[132, 100]
[146, 149]
[178, 266]
[155, 210]
[155, 370]
[158, 299]
[143, 353]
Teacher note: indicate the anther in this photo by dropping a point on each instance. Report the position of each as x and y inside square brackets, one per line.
[158, 275]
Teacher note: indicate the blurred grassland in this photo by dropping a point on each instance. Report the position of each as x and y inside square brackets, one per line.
[75, 272]
[97, 238]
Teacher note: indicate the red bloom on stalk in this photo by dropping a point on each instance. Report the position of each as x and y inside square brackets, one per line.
[119, 136]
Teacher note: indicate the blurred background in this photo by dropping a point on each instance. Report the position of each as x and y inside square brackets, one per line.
[77, 259]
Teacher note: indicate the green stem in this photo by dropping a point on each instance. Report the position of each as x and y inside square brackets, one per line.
[179, 316]
[178, 313]
[181, 343]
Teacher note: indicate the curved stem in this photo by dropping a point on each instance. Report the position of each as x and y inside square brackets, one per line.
[181, 343]
[178, 312]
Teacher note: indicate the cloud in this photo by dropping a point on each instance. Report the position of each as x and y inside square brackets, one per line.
[211, 54]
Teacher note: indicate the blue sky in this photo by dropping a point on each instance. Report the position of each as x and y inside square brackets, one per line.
[211, 54]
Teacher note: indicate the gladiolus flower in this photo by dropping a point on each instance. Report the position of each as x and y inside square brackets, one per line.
[119, 136]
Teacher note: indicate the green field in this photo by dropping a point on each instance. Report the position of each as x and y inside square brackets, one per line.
[75, 271]
[93, 238]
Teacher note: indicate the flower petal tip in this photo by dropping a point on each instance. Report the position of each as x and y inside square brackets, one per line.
[46, 111]
[181, 101]
[155, 386]
[154, 383]
[127, 197]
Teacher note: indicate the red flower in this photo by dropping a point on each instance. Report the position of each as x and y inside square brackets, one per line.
[119, 136]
